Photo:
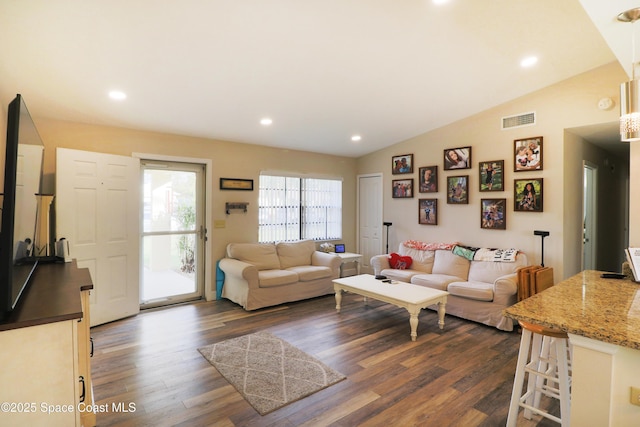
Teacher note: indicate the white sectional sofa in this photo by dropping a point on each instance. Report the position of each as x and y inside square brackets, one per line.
[260, 275]
[481, 284]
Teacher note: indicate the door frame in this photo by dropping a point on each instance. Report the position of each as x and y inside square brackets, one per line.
[209, 291]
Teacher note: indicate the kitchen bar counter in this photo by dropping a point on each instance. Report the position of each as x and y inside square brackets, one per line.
[585, 304]
[602, 319]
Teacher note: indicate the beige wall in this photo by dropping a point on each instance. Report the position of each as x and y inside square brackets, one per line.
[230, 160]
[569, 104]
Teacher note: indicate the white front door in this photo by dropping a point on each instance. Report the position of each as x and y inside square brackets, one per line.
[97, 211]
[369, 218]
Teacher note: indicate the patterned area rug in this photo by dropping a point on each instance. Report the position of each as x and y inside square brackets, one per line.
[268, 371]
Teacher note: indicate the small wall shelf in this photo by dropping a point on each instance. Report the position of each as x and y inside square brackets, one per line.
[236, 206]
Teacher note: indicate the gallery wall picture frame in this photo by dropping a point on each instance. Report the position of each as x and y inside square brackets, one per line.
[428, 179]
[428, 211]
[491, 175]
[528, 195]
[236, 184]
[527, 154]
[457, 158]
[402, 164]
[458, 190]
[493, 214]
[402, 188]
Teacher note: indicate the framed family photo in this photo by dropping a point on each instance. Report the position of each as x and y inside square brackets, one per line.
[428, 211]
[428, 179]
[458, 190]
[402, 164]
[527, 154]
[457, 158]
[493, 214]
[527, 195]
[492, 175]
[402, 188]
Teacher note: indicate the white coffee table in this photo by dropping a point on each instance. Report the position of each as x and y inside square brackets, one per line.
[405, 295]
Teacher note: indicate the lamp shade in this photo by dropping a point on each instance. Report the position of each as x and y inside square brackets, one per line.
[630, 110]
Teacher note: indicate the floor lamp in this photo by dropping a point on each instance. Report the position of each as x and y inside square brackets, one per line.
[542, 235]
[387, 224]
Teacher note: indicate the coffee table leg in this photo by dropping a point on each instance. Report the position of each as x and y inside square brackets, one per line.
[338, 299]
[413, 321]
[441, 310]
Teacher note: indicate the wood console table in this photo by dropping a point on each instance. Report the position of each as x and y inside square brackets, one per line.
[45, 351]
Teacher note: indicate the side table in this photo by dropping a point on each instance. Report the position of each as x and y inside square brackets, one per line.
[347, 257]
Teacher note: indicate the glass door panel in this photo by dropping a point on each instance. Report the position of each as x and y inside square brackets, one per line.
[171, 233]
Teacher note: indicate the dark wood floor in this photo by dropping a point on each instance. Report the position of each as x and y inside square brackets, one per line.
[461, 376]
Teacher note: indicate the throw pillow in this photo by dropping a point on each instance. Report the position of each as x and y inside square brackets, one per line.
[400, 262]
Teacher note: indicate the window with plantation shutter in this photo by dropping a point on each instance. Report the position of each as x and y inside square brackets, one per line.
[294, 208]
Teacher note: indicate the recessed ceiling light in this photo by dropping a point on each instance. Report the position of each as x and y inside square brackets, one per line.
[356, 138]
[529, 61]
[266, 121]
[117, 95]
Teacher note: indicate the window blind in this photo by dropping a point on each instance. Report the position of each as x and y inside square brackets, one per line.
[293, 208]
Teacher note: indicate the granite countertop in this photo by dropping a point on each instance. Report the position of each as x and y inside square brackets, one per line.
[606, 310]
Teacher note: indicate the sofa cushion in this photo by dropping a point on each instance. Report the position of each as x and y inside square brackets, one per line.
[262, 255]
[307, 273]
[445, 262]
[435, 281]
[293, 254]
[400, 275]
[489, 271]
[420, 260]
[479, 291]
[273, 278]
[400, 262]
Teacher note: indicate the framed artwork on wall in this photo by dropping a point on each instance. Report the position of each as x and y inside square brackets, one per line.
[428, 211]
[402, 164]
[458, 190]
[428, 179]
[527, 195]
[493, 214]
[402, 188]
[236, 184]
[457, 158]
[527, 154]
[492, 175]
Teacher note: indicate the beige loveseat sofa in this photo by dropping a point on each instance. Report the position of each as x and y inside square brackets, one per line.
[260, 275]
[480, 284]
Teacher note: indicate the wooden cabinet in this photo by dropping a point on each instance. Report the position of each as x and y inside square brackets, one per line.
[45, 347]
[85, 352]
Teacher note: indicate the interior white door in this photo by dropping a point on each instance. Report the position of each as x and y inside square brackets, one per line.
[97, 211]
[369, 219]
[589, 215]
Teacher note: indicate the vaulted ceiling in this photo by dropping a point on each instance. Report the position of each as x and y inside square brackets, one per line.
[321, 70]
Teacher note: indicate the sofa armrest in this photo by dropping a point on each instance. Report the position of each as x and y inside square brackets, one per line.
[379, 263]
[506, 289]
[327, 260]
[239, 273]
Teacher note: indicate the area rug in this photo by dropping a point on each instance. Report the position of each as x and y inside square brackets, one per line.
[268, 371]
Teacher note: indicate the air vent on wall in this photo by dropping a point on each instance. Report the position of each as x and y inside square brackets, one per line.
[519, 120]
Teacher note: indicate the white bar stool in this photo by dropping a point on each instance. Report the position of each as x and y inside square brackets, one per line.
[543, 356]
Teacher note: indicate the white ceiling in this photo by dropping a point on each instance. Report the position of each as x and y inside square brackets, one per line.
[323, 70]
